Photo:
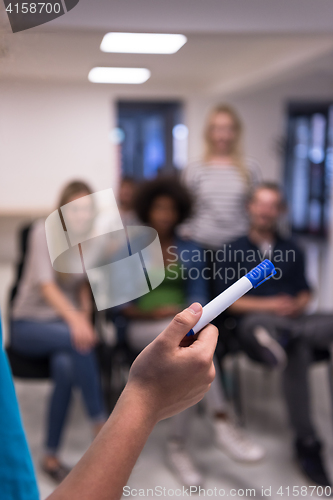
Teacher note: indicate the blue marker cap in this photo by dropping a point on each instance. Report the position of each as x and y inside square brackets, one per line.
[261, 273]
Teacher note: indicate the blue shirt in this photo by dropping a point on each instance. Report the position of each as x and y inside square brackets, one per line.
[242, 255]
[17, 477]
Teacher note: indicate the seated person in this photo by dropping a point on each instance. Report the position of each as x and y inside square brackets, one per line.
[273, 327]
[163, 204]
[51, 317]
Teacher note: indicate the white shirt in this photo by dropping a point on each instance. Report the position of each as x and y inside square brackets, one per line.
[220, 194]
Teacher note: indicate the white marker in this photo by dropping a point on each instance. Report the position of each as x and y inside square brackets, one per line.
[254, 278]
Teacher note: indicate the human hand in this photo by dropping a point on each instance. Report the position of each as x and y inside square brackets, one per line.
[284, 305]
[295, 308]
[165, 379]
[291, 308]
[171, 374]
[83, 335]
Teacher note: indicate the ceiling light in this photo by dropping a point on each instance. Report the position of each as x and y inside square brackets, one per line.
[142, 43]
[119, 75]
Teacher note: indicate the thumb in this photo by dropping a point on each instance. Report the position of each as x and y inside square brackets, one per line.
[182, 323]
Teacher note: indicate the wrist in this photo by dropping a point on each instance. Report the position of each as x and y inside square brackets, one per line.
[72, 316]
[140, 405]
[85, 313]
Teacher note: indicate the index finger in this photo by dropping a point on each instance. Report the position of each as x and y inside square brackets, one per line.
[207, 340]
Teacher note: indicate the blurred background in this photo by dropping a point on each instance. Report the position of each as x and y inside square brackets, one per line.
[273, 61]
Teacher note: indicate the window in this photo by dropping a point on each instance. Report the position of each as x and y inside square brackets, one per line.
[309, 167]
[153, 138]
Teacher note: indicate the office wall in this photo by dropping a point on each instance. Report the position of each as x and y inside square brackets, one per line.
[50, 133]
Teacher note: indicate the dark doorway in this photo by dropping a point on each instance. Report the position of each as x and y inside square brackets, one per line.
[309, 167]
[147, 141]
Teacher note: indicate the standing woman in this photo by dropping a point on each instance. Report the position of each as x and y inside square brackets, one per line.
[220, 184]
[52, 317]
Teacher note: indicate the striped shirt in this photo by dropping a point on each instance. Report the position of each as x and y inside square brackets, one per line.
[220, 193]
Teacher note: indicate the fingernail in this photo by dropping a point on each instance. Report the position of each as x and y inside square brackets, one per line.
[195, 308]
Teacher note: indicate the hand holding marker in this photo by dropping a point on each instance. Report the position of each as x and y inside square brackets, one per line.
[254, 278]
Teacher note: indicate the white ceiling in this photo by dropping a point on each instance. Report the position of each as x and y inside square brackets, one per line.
[233, 45]
[202, 16]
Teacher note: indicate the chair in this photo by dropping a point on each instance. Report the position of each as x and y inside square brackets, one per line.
[228, 344]
[116, 359]
[27, 367]
[23, 366]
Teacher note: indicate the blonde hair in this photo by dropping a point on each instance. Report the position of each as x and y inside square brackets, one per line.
[237, 149]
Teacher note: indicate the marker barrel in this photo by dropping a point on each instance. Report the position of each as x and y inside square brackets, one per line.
[222, 302]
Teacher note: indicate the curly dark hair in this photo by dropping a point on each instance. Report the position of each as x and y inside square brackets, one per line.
[148, 191]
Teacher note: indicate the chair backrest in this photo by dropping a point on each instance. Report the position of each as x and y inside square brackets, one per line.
[27, 368]
[23, 247]
[24, 366]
